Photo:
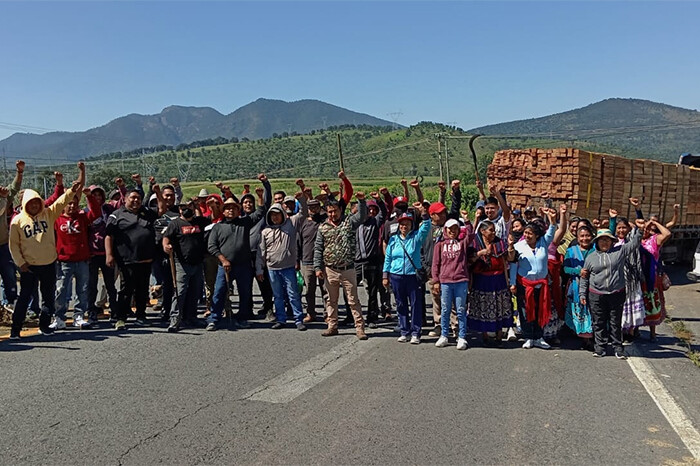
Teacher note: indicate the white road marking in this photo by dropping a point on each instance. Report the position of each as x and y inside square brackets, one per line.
[289, 385]
[667, 404]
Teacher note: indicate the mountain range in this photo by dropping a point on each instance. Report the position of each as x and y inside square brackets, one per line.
[629, 127]
[176, 125]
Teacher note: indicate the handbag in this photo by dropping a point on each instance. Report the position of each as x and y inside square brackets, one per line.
[665, 281]
[421, 273]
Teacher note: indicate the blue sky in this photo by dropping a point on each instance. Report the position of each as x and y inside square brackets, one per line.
[73, 66]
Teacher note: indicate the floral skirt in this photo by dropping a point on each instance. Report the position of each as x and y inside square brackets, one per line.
[490, 304]
[654, 303]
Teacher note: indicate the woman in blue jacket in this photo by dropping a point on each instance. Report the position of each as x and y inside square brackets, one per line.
[402, 259]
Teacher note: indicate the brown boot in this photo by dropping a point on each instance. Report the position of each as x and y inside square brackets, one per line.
[309, 318]
[329, 332]
[361, 335]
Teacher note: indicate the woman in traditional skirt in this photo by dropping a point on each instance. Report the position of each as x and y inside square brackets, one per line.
[655, 235]
[578, 316]
[633, 310]
[490, 305]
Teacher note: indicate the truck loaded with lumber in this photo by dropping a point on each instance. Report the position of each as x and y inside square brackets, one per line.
[591, 183]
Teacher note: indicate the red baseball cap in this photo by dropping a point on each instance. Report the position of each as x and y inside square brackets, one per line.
[436, 208]
[400, 199]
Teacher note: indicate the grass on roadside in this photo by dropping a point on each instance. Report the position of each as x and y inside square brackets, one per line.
[686, 336]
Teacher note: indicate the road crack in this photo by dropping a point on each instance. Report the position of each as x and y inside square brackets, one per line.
[145, 440]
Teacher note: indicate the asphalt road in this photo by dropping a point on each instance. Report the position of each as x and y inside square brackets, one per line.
[287, 397]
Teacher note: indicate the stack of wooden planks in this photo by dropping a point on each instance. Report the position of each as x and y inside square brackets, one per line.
[592, 183]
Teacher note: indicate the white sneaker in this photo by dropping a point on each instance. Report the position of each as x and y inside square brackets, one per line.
[415, 340]
[442, 342]
[511, 335]
[402, 339]
[79, 322]
[528, 344]
[462, 344]
[540, 343]
[58, 324]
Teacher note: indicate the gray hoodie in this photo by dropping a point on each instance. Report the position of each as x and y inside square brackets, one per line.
[606, 270]
[278, 243]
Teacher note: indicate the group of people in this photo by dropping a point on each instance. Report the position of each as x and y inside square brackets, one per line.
[496, 272]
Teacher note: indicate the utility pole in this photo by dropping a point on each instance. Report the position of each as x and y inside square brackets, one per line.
[447, 164]
[4, 167]
[439, 154]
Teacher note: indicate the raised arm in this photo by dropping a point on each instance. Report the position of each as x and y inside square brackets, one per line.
[674, 220]
[415, 184]
[16, 185]
[496, 192]
[664, 233]
[404, 183]
[442, 188]
[388, 200]
[178, 189]
[267, 187]
[58, 190]
[612, 222]
[552, 216]
[347, 187]
[360, 216]
[635, 237]
[162, 207]
[456, 198]
[480, 188]
[563, 224]
[637, 210]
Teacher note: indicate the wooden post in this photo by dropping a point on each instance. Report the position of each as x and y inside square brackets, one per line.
[340, 154]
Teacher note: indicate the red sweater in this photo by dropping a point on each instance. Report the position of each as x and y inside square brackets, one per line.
[72, 233]
[450, 258]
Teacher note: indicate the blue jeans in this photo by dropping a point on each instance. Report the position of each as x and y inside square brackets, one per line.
[406, 288]
[243, 275]
[64, 287]
[454, 293]
[284, 285]
[8, 273]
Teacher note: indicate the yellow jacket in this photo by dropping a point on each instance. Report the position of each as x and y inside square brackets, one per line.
[32, 239]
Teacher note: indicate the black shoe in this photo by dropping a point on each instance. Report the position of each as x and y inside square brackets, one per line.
[277, 326]
[435, 332]
[15, 336]
[173, 329]
[301, 327]
[211, 327]
[194, 323]
[620, 354]
[46, 330]
[241, 323]
[599, 354]
[371, 325]
[142, 322]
